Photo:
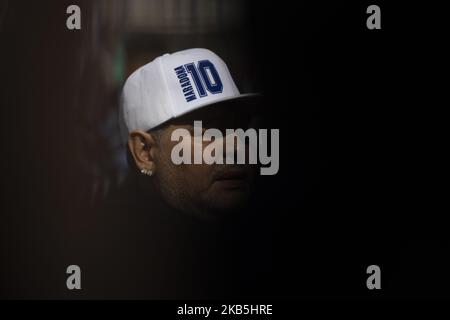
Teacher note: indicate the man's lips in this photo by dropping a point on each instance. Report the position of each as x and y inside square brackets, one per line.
[231, 179]
[231, 175]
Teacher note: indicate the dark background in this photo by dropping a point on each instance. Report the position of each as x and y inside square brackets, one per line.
[360, 119]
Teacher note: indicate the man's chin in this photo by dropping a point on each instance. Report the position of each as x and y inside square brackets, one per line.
[227, 202]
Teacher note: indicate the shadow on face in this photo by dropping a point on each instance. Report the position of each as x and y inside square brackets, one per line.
[206, 190]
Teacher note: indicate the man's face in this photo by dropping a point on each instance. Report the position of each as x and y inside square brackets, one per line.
[203, 189]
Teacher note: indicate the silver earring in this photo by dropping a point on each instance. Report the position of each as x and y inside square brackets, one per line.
[147, 172]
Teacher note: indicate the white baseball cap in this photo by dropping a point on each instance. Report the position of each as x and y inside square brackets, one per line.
[173, 85]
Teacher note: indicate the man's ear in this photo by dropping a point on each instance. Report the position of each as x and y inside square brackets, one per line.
[142, 146]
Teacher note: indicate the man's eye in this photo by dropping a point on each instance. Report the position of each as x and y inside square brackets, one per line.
[192, 130]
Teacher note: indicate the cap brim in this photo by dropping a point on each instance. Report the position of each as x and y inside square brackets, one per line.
[247, 99]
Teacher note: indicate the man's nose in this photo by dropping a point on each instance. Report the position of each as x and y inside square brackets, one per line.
[235, 148]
